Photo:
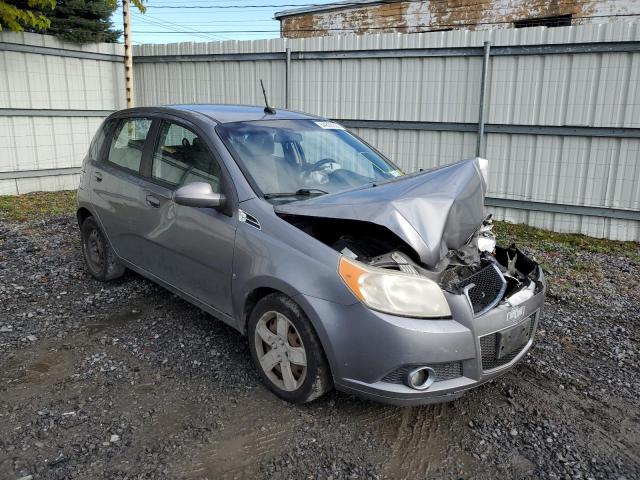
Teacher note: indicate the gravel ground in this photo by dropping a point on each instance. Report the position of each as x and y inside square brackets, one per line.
[125, 380]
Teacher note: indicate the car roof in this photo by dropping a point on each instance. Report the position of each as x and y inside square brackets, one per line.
[239, 113]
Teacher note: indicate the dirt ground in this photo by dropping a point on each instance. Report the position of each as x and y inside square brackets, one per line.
[124, 380]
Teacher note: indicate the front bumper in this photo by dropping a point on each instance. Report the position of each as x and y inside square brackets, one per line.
[366, 349]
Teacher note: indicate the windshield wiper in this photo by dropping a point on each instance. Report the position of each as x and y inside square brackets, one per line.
[301, 192]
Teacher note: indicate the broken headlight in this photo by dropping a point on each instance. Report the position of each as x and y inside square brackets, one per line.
[394, 292]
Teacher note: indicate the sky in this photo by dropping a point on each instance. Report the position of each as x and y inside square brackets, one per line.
[245, 20]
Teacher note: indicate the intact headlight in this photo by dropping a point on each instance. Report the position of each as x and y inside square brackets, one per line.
[394, 292]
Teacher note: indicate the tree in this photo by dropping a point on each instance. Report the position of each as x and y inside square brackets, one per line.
[80, 21]
[84, 21]
[17, 16]
[138, 3]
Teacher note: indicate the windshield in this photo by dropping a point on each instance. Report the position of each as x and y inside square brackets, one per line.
[290, 158]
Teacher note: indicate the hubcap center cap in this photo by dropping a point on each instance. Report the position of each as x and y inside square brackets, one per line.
[278, 345]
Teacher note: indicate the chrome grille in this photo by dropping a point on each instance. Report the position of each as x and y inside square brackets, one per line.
[444, 371]
[489, 345]
[484, 288]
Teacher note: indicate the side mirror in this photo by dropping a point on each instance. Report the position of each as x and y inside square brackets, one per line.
[198, 194]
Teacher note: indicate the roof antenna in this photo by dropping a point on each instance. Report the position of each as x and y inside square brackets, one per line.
[267, 109]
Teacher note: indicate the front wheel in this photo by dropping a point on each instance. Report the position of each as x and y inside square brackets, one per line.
[98, 255]
[286, 350]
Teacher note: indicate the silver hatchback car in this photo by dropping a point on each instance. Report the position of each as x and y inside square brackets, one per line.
[339, 268]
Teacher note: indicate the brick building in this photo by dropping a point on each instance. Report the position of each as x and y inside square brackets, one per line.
[411, 16]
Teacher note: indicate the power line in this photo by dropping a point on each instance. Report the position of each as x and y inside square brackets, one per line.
[222, 21]
[371, 15]
[191, 2]
[392, 27]
[164, 23]
[204, 36]
[333, 6]
[280, 5]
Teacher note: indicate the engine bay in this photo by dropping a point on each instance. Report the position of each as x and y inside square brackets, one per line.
[485, 272]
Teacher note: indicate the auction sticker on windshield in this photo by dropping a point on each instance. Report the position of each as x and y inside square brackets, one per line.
[327, 125]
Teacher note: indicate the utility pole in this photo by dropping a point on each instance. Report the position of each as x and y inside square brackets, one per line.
[480, 146]
[128, 53]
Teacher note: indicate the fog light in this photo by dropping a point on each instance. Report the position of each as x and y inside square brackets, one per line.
[420, 378]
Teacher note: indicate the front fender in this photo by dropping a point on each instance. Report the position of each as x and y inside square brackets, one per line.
[269, 258]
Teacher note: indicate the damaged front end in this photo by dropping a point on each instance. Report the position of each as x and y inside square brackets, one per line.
[485, 273]
[430, 226]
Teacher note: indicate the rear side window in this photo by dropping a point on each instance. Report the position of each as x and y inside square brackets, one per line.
[127, 143]
[98, 140]
[181, 157]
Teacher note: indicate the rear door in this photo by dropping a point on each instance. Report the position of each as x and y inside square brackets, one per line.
[119, 197]
[190, 248]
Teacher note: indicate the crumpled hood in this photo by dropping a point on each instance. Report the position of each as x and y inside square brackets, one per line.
[433, 211]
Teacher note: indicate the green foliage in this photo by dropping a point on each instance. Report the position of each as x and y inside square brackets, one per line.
[566, 243]
[30, 14]
[84, 21]
[80, 21]
[37, 206]
[137, 3]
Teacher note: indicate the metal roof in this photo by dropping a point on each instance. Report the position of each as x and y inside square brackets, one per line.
[223, 113]
[330, 6]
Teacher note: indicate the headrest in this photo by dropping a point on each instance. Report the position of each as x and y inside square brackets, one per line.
[260, 143]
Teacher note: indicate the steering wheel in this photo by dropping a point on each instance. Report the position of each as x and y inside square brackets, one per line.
[185, 143]
[321, 163]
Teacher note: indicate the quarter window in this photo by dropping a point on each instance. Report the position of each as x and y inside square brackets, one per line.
[181, 157]
[127, 143]
[98, 141]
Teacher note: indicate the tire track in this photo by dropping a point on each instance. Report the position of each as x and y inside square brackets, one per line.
[420, 444]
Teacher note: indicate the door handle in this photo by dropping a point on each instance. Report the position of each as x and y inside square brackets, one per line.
[153, 201]
[98, 176]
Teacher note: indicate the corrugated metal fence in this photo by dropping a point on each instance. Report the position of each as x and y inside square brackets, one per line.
[53, 96]
[562, 107]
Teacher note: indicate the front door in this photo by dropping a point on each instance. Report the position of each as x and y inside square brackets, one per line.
[188, 247]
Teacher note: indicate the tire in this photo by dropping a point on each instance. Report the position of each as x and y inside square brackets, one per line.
[270, 347]
[99, 257]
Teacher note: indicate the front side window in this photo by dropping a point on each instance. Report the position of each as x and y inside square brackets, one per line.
[181, 157]
[288, 156]
[127, 143]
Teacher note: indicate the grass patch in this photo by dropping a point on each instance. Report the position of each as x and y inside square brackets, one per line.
[37, 206]
[546, 241]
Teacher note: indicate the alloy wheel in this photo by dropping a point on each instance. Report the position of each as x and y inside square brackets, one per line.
[280, 351]
[95, 250]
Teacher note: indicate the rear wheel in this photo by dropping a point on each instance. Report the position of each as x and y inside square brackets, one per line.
[286, 350]
[98, 255]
